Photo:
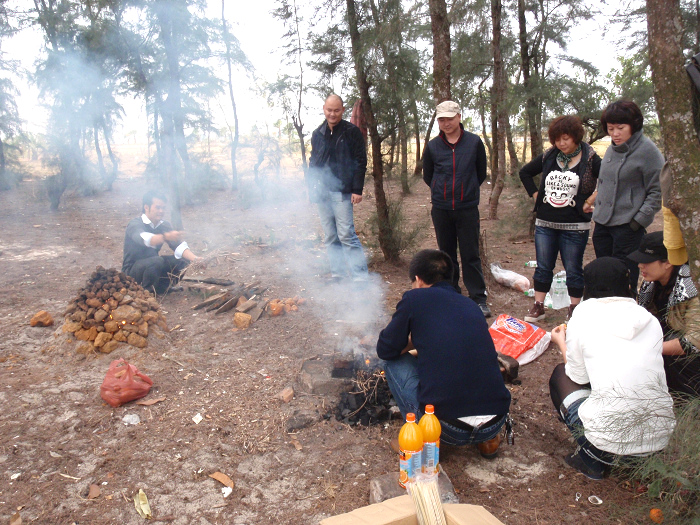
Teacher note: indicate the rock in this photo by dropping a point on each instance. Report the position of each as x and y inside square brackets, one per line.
[86, 335]
[137, 341]
[150, 317]
[387, 486]
[101, 315]
[78, 316]
[143, 329]
[102, 338]
[94, 302]
[119, 336]
[85, 349]
[153, 303]
[111, 326]
[242, 320]
[130, 328]
[127, 299]
[118, 296]
[71, 327]
[41, 318]
[126, 313]
[109, 347]
[286, 395]
[302, 419]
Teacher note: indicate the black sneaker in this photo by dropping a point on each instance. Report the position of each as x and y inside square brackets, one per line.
[575, 462]
[485, 310]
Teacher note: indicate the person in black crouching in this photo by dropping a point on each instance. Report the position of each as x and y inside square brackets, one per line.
[455, 368]
[145, 236]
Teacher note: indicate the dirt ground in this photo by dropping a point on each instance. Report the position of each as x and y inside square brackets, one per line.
[57, 437]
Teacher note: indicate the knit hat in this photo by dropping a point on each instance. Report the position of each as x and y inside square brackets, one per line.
[650, 249]
[606, 277]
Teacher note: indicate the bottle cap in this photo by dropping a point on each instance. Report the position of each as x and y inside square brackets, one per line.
[429, 409]
[410, 417]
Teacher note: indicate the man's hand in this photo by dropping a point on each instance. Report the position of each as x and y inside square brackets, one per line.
[356, 199]
[173, 236]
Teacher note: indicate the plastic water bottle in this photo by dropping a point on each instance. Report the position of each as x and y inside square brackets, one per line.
[530, 292]
[560, 293]
[411, 454]
[548, 300]
[430, 426]
[531, 264]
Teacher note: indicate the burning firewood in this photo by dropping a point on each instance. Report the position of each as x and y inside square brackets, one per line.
[112, 307]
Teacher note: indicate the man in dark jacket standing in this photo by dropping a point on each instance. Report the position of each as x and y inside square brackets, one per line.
[454, 166]
[456, 367]
[335, 179]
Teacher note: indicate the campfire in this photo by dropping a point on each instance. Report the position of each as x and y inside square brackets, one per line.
[112, 308]
[369, 400]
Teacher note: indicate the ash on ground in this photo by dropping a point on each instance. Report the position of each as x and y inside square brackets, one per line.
[369, 402]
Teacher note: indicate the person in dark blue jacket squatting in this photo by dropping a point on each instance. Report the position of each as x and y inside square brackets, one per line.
[454, 166]
[455, 367]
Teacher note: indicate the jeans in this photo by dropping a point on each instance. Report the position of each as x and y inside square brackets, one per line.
[561, 387]
[341, 241]
[570, 244]
[455, 228]
[153, 273]
[619, 242]
[402, 376]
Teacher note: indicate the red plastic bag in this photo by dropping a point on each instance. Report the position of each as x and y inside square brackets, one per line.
[513, 337]
[124, 383]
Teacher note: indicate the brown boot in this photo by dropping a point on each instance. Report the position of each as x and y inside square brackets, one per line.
[489, 449]
[536, 313]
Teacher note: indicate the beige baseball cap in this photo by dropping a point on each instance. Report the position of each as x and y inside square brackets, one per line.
[447, 109]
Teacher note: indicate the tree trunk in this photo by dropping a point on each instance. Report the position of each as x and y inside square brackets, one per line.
[112, 158]
[442, 57]
[98, 153]
[403, 141]
[4, 183]
[390, 162]
[531, 101]
[418, 168]
[234, 133]
[174, 112]
[494, 137]
[427, 134]
[499, 88]
[385, 234]
[673, 95]
[512, 153]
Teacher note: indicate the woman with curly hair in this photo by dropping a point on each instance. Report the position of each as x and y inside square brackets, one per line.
[569, 171]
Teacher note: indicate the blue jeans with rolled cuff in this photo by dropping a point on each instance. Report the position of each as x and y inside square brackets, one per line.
[344, 247]
[570, 245]
[402, 376]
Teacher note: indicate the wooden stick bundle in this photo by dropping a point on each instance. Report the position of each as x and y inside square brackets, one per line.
[426, 499]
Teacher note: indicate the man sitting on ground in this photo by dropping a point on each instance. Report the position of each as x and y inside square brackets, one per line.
[145, 236]
[668, 292]
[456, 369]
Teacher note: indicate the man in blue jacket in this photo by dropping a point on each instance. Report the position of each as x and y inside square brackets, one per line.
[454, 166]
[335, 178]
[455, 368]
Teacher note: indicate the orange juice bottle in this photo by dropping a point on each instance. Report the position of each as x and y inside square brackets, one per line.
[411, 445]
[430, 426]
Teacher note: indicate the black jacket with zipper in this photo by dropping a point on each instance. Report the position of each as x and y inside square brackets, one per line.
[454, 172]
[338, 160]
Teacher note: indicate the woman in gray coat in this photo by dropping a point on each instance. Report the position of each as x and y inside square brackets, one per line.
[629, 192]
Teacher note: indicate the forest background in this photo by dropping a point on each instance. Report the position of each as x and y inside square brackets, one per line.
[81, 81]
